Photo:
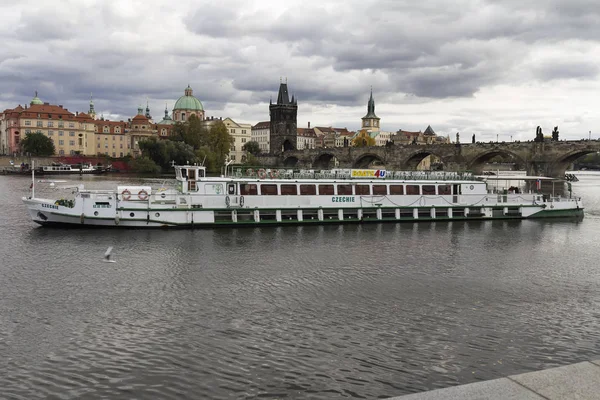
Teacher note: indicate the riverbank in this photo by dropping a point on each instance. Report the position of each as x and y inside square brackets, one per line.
[576, 381]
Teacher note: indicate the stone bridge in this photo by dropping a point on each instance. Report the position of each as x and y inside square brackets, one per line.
[537, 158]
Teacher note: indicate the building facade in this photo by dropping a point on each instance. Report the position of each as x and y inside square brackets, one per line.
[284, 115]
[261, 134]
[71, 133]
[112, 138]
[241, 134]
[306, 138]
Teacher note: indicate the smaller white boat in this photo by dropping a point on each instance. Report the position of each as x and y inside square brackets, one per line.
[60, 169]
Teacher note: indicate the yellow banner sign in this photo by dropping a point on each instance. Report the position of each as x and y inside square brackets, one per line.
[368, 173]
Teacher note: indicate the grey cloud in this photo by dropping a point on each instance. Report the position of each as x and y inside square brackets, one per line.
[560, 69]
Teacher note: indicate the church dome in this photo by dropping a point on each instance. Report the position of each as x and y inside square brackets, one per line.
[188, 102]
[36, 100]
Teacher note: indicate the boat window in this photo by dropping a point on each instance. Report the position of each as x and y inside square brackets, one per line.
[268, 190]
[231, 188]
[444, 189]
[363, 189]
[380, 189]
[413, 189]
[290, 190]
[429, 189]
[248, 189]
[326, 189]
[344, 189]
[396, 189]
[309, 190]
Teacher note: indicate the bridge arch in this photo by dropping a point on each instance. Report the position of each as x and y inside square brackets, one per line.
[476, 163]
[324, 161]
[290, 161]
[415, 158]
[558, 168]
[367, 160]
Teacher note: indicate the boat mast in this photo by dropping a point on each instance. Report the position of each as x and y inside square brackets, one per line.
[32, 179]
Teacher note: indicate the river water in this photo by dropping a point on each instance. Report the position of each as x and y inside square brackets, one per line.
[306, 312]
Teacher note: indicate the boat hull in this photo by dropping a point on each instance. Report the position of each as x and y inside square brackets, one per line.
[44, 213]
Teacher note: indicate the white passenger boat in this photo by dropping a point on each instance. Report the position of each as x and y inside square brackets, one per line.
[62, 169]
[257, 197]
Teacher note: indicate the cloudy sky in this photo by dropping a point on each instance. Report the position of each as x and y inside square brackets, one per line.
[469, 66]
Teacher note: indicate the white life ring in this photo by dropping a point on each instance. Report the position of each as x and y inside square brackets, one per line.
[262, 174]
[241, 201]
[143, 195]
[126, 194]
[227, 201]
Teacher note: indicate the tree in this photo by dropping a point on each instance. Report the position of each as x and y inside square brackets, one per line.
[252, 148]
[37, 144]
[219, 143]
[363, 139]
[162, 152]
[144, 165]
[251, 160]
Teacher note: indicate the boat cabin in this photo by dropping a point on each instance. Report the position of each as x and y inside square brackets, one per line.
[187, 177]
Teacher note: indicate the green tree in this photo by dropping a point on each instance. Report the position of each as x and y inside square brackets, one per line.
[162, 152]
[252, 148]
[219, 144]
[144, 165]
[37, 144]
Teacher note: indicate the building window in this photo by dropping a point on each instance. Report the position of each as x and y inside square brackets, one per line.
[117, 130]
[28, 131]
[71, 133]
[243, 131]
[106, 145]
[61, 152]
[121, 154]
[121, 145]
[28, 123]
[71, 143]
[61, 124]
[232, 130]
[60, 133]
[183, 116]
[72, 152]
[40, 124]
[61, 142]
[50, 124]
[114, 154]
[106, 129]
[243, 140]
[233, 157]
[98, 145]
[71, 125]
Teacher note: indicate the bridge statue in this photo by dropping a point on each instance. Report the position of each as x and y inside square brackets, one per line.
[539, 136]
[473, 139]
[457, 138]
[555, 134]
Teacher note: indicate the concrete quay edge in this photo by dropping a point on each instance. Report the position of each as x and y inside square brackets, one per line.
[579, 381]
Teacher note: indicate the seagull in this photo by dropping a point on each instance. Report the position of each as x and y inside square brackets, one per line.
[107, 255]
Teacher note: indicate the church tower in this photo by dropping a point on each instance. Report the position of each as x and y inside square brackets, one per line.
[371, 121]
[91, 111]
[284, 117]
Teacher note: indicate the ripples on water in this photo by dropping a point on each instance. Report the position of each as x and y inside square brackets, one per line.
[291, 312]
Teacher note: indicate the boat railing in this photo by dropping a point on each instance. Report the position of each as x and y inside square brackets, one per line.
[282, 173]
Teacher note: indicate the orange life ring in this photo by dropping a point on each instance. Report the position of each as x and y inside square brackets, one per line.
[274, 173]
[142, 195]
[250, 172]
[262, 174]
[126, 194]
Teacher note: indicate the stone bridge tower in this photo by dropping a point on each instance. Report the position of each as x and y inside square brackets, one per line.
[284, 114]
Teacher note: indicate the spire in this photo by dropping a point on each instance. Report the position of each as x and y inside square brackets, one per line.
[371, 108]
[148, 110]
[166, 111]
[283, 97]
[91, 111]
[140, 110]
[188, 90]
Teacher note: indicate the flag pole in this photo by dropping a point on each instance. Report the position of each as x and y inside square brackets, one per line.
[32, 179]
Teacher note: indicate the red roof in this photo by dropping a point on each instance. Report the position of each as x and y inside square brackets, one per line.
[262, 125]
[141, 118]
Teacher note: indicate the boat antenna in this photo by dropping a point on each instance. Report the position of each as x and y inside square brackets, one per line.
[203, 160]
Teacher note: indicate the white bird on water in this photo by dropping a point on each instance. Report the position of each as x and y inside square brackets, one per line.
[107, 255]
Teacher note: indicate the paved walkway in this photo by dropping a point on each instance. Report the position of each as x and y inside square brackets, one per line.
[577, 381]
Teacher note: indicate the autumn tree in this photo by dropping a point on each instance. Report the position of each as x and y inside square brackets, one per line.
[363, 139]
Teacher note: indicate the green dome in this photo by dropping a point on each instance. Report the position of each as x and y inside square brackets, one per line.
[36, 100]
[188, 102]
